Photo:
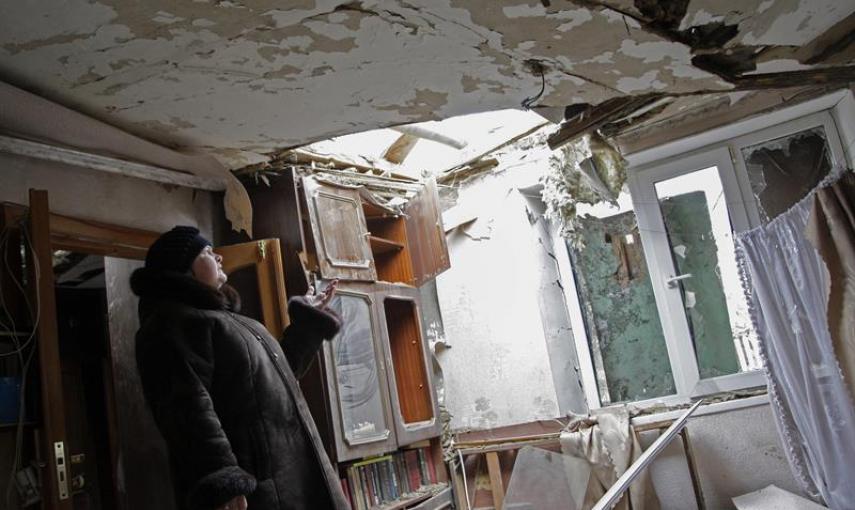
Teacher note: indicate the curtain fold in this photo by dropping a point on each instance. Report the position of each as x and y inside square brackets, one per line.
[788, 285]
[831, 229]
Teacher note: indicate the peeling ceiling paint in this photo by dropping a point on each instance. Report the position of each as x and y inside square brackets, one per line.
[243, 78]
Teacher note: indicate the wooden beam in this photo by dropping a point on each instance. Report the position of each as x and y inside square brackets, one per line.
[594, 117]
[400, 149]
[56, 491]
[497, 487]
[89, 236]
[81, 159]
[842, 75]
[612, 110]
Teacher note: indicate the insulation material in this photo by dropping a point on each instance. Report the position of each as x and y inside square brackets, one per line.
[586, 171]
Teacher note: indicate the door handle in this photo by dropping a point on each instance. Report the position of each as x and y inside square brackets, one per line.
[672, 281]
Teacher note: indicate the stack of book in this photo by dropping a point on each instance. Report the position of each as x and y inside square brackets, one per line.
[381, 480]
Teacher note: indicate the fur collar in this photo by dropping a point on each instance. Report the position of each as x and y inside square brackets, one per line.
[152, 285]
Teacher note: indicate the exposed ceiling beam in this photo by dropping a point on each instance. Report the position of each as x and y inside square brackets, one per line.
[592, 117]
[400, 148]
[427, 134]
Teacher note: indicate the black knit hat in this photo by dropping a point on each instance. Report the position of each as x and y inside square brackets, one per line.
[175, 250]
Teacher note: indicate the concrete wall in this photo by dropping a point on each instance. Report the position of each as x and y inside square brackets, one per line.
[736, 451]
[499, 369]
[105, 197]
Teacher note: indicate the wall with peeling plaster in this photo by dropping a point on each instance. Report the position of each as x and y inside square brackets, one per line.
[736, 451]
[500, 368]
[116, 199]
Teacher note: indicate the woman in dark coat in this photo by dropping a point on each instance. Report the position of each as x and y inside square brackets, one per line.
[223, 392]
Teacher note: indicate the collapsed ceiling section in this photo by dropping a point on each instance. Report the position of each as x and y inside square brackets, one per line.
[247, 78]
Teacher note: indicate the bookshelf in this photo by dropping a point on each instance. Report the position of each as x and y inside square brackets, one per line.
[401, 479]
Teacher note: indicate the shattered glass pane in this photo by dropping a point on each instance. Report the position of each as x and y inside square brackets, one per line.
[618, 306]
[543, 480]
[784, 170]
[697, 222]
[356, 372]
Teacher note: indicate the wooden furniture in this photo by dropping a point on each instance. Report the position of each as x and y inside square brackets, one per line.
[371, 390]
[44, 232]
[366, 243]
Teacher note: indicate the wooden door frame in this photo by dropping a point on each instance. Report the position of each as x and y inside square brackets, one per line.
[266, 256]
[83, 236]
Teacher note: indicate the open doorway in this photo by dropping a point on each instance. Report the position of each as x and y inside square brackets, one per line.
[84, 347]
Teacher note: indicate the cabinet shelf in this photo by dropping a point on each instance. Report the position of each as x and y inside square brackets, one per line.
[380, 245]
[408, 502]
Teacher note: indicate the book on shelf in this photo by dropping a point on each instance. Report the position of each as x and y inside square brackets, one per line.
[381, 480]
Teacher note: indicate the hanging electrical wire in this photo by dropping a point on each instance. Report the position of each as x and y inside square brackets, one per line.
[10, 327]
[536, 66]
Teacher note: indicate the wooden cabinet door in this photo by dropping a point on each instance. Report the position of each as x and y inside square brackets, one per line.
[410, 374]
[356, 374]
[266, 256]
[339, 231]
[281, 217]
[425, 235]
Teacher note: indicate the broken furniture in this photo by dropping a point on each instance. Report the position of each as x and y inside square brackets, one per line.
[371, 391]
[500, 454]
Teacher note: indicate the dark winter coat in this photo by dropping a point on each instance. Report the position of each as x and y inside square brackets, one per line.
[225, 397]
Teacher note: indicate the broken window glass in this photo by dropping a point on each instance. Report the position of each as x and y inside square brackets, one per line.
[619, 309]
[782, 171]
[697, 222]
[542, 479]
[356, 371]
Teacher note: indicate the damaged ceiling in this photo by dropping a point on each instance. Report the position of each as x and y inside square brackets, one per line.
[246, 78]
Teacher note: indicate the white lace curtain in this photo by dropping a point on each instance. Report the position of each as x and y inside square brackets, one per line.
[788, 285]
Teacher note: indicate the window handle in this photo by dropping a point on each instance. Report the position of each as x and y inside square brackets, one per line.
[672, 281]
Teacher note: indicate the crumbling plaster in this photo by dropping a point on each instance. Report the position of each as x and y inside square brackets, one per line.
[246, 77]
[501, 301]
[490, 313]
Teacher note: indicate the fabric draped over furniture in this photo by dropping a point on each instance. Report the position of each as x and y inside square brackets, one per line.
[607, 441]
[792, 294]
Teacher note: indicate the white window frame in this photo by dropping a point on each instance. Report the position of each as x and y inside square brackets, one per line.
[720, 147]
[657, 252]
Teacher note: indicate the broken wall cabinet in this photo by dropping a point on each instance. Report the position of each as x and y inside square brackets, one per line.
[380, 390]
[426, 243]
[408, 357]
[355, 369]
[354, 237]
[344, 232]
[371, 390]
[338, 228]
